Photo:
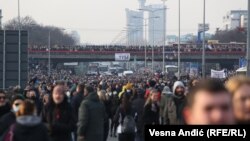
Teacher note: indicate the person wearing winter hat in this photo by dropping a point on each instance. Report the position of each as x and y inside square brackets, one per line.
[10, 117]
[174, 105]
[165, 94]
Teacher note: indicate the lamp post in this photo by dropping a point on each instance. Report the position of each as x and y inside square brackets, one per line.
[248, 40]
[164, 37]
[19, 45]
[145, 38]
[49, 57]
[179, 41]
[203, 42]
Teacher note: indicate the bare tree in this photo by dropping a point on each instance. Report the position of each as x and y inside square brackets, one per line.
[38, 34]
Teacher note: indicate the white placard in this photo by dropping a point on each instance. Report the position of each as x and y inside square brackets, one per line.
[71, 64]
[218, 74]
[200, 27]
[122, 56]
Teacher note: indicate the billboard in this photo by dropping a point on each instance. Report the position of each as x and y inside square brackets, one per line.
[122, 56]
[200, 27]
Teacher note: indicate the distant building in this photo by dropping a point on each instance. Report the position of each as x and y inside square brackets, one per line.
[156, 25]
[235, 19]
[1, 19]
[134, 27]
[141, 3]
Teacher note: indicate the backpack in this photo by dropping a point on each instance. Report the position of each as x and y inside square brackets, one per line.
[129, 124]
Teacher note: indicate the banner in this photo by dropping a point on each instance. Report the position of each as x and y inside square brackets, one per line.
[201, 27]
[71, 64]
[122, 56]
[218, 74]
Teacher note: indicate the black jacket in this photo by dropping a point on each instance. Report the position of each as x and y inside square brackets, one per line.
[91, 118]
[6, 121]
[60, 120]
[4, 109]
[76, 102]
[138, 106]
[30, 128]
[151, 115]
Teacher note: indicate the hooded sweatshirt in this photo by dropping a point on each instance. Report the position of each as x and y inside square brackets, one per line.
[179, 101]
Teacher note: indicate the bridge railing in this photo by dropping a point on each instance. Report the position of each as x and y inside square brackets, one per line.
[67, 52]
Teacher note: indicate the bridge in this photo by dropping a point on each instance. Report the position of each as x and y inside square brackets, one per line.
[225, 58]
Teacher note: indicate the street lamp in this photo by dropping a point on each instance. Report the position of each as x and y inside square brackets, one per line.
[145, 38]
[152, 11]
[164, 37]
[19, 45]
[203, 42]
[179, 41]
[248, 40]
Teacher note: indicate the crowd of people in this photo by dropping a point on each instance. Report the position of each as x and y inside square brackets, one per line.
[91, 108]
[173, 47]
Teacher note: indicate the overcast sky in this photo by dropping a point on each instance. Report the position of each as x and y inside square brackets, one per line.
[99, 21]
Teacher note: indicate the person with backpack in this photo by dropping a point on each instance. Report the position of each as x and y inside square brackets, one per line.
[126, 116]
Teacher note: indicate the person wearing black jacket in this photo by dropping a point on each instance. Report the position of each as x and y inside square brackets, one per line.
[28, 127]
[4, 105]
[76, 102]
[8, 119]
[107, 104]
[77, 99]
[138, 105]
[151, 112]
[125, 109]
[59, 116]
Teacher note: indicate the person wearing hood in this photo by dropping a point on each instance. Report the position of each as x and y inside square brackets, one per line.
[165, 94]
[91, 117]
[28, 127]
[174, 105]
[10, 118]
[58, 115]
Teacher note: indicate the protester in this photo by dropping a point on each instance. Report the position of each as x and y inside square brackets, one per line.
[151, 109]
[4, 104]
[209, 103]
[166, 93]
[126, 117]
[173, 111]
[138, 106]
[107, 104]
[77, 99]
[239, 87]
[91, 117]
[8, 119]
[115, 102]
[28, 126]
[59, 116]
[33, 96]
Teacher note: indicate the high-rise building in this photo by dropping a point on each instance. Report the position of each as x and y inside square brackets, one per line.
[0, 19]
[235, 19]
[134, 27]
[142, 3]
[156, 25]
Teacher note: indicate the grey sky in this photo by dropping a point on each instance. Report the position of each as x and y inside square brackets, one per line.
[99, 21]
